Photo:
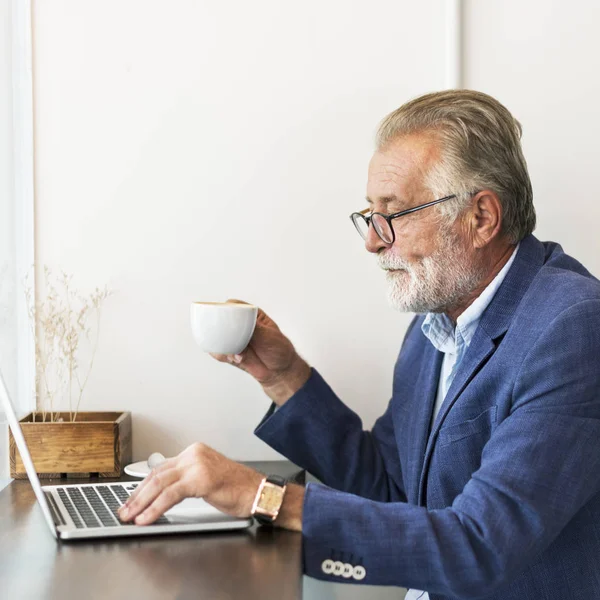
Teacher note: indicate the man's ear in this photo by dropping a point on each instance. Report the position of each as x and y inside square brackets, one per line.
[484, 220]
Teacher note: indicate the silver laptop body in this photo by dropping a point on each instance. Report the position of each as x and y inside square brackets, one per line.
[77, 511]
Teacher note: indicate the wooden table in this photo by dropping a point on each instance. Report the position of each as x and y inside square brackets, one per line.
[257, 563]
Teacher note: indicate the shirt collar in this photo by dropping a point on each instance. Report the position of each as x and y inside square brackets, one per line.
[439, 329]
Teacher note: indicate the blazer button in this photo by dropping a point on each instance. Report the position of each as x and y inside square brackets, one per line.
[359, 572]
[348, 571]
[338, 568]
[327, 566]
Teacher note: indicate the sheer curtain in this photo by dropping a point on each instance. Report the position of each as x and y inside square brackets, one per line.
[16, 209]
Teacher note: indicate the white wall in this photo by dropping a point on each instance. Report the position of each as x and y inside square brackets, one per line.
[198, 151]
[191, 151]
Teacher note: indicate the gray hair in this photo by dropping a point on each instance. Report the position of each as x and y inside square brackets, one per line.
[481, 149]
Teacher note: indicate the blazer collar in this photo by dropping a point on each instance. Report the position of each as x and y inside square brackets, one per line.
[498, 316]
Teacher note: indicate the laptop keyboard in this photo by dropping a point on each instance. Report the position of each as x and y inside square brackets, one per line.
[98, 506]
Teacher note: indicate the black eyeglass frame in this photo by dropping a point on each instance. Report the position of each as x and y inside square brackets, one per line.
[368, 217]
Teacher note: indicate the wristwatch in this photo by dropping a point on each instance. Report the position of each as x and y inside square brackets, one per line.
[269, 499]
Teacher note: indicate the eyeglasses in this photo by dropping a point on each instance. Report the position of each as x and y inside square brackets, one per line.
[383, 223]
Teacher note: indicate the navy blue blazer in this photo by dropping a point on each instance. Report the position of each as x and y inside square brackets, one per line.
[501, 500]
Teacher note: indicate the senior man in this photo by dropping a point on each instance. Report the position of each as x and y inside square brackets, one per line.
[482, 477]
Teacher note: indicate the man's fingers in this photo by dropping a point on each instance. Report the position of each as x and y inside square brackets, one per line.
[249, 361]
[147, 492]
[167, 464]
[234, 359]
[220, 357]
[168, 497]
[243, 359]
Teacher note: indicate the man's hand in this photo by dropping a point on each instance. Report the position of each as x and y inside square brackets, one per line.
[271, 359]
[201, 472]
[198, 472]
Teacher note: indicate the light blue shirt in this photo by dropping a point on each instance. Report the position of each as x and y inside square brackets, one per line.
[454, 342]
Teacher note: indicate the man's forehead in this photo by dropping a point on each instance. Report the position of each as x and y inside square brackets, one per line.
[389, 167]
[400, 167]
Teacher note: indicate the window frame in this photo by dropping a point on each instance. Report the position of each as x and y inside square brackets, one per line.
[21, 85]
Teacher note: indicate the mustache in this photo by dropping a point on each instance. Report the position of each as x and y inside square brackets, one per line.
[388, 261]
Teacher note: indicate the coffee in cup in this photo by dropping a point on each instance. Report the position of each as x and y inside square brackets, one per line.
[223, 327]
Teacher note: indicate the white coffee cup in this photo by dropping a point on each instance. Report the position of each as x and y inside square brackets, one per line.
[223, 327]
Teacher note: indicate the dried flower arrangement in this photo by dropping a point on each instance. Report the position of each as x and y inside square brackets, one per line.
[60, 322]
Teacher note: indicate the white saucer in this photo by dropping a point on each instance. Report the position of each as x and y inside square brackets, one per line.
[138, 469]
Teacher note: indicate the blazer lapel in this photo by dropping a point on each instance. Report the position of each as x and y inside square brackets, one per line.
[427, 383]
[494, 323]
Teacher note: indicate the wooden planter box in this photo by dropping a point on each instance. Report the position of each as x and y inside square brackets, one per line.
[97, 443]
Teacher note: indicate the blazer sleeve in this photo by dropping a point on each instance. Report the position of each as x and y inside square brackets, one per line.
[316, 431]
[539, 468]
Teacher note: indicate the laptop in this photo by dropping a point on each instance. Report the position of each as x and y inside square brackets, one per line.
[89, 510]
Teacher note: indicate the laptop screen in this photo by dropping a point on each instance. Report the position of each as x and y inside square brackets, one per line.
[7, 407]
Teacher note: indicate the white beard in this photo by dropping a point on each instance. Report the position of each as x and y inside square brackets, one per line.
[435, 283]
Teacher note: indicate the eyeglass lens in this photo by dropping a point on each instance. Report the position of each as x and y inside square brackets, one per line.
[379, 223]
[382, 227]
[361, 225]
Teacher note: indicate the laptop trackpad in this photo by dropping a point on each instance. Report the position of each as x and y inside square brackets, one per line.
[196, 510]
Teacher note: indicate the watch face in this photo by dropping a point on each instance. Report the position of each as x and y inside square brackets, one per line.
[271, 497]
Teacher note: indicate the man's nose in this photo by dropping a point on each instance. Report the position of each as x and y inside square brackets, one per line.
[373, 243]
